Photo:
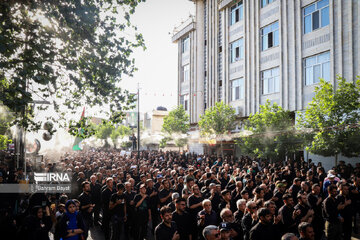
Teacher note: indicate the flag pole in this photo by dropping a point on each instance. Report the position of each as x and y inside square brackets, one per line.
[138, 122]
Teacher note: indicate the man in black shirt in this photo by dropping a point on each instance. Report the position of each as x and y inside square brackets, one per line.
[105, 198]
[143, 213]
[331, 215]
[86, 206]
[250, 219]
[306, 231]
[182, 219]
[95, 191]
[165, 193]
[288, 214]
[306, 214]
[118, 207]
[152, 192]
[315, 200]
[194, 203]
[130, 210]
[264, 228]
[345, 210]
[167, 229]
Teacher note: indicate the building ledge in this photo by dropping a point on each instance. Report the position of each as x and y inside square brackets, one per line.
[183, 29]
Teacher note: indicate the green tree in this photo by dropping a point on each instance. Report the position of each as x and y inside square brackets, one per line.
[164, 141]
[73, 52]
[5, 120]
[331, 120]
[218, 121]
[103, 131]
[177, 121]
[119, 131]
[270, 133]
[176, 124]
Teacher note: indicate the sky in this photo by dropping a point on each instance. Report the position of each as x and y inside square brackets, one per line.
[158, 69]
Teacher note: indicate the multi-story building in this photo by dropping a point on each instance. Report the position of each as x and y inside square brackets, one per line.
[244, 52]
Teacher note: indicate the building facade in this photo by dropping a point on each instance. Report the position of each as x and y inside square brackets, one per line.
[245, 52]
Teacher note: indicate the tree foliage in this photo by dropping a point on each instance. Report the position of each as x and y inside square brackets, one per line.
[119, 131]
[217, 120]
[176, 122]
[270, 133]
[70, 52]
[332, 119]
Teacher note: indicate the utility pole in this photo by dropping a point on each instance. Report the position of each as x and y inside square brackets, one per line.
[138, 122]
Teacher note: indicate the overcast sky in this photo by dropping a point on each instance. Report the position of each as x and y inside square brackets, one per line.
[157, 65]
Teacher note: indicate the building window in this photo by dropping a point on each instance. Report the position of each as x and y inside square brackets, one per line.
[270, 36]
[237, 50]
[271, 80]
[236, 13]
[266, 2]
[184, 101]
[185, 44]
[237, 89]
[186, 73]
[316, 67]
[316, 16]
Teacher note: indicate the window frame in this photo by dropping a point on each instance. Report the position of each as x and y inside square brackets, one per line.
[273, 35]
[311, 14]
[234, 90]
[184, 71]
[237, 8]
[317, 63]
[267, 2]
[237, 45]
[274, 78]
[185, 44]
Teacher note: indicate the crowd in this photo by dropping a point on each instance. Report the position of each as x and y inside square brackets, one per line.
[172, 195]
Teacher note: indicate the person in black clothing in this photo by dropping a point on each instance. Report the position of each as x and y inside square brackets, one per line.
[105, 198]
[118, 207]
[194, 204]
[167, 229]
[236, 231]
[332, 215]
[346, 210]
[207, 216]
[306, 214]
[239, 214]
[250, 219]
[295, 187]
[226, 201]
[154, 202]
[95, 191]
[288, 214]
[86, 206]
[306, 231]
[130, 210]
[264, 229]
[143, 213]
[315, 200]
[182, 219]
[165, 193]
[36, 226]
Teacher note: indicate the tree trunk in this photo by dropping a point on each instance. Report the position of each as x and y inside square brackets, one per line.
[336, 159]
[221, 148]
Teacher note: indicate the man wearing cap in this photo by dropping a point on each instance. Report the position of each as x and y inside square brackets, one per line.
[264, 228]
[330, 180]
[225, 231]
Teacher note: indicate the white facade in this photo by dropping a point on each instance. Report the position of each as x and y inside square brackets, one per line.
[244, 52]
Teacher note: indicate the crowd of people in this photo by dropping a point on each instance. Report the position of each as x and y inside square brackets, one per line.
[173, 195]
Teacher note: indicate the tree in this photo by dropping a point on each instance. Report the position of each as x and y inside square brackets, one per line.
[218, 121]
[175, 125]
[332, 119]
[120, 131]
[73, 52]
[103, 131]
[177, 121]
[270, 133]
[5, 135]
